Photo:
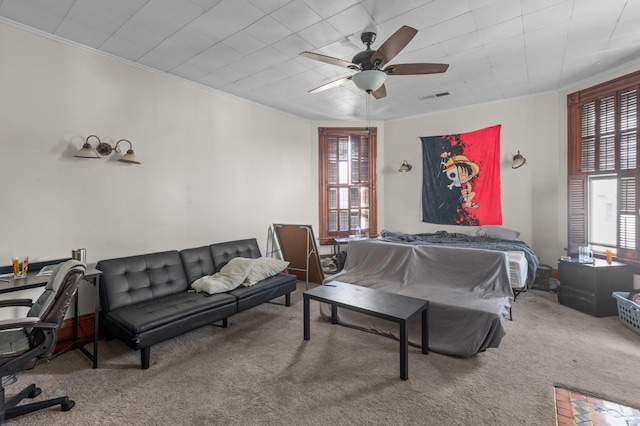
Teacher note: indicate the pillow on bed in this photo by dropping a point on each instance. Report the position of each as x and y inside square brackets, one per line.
[263, 268]
[230, 276]
[498, 232]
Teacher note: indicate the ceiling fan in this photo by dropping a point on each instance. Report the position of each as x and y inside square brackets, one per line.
[369, 63]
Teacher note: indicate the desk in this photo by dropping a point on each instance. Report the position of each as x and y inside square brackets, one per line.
[91, 275]
[390, 306]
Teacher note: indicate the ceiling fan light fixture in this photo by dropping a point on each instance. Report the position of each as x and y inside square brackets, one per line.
[370, 63]
[369, 80]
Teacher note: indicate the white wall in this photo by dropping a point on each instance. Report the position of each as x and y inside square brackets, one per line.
[529, 194]
[214, 168]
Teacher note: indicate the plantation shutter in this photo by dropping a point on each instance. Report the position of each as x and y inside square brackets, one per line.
[628, 183]
[578, 199]
[627, 217]
[588, 135]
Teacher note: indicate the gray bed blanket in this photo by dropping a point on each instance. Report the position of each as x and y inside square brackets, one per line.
[470, 241]
[468, 290]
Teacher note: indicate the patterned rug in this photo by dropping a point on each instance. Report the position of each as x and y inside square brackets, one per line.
[573, 408]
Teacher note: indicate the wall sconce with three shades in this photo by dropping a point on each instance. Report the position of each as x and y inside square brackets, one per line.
[103, 149]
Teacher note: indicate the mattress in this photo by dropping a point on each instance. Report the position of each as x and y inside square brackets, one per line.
[518, 269]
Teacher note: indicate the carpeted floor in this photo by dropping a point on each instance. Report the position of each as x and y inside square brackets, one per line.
[260, 371]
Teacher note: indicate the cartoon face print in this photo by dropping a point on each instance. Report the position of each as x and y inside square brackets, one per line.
[463, 173]
[459, 170]
[450, 170]
[454, 175]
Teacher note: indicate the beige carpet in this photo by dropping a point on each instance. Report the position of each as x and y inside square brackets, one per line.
[260, 371]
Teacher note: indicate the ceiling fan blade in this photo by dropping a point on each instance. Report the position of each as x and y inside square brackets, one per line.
[381, 92]
[328, 59]
[330, 85]
[412, 69]
[393, 45]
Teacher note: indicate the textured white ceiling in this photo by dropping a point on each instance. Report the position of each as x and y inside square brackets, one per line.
[496, 49]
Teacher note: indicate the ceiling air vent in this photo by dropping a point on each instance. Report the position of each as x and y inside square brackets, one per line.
[434, 95]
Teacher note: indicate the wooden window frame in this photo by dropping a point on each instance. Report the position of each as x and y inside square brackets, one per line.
[578, 202]
[325, 238]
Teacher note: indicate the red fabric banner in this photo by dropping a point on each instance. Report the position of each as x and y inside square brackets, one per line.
[461, 178]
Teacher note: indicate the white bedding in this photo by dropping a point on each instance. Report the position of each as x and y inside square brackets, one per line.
[518, 269]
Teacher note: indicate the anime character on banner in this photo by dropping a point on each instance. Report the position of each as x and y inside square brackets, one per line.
[460, 171]
[461, 178]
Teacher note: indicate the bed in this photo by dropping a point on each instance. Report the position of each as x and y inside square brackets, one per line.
[469, 291]
[523, 261]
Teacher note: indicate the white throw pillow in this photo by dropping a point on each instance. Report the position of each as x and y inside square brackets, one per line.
[264, 267]
[230, 276]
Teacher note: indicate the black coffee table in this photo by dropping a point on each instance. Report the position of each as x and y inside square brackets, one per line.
[380, 304]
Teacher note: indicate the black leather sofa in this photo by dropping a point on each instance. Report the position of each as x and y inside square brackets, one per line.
[146, 299]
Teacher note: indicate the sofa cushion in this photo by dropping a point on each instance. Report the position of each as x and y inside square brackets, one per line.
[222, 253]
[197, 262]
[264, 291]
[128, 280]
[154, 313]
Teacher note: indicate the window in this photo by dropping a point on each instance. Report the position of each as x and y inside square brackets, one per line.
[347, 182]
[603, 201]
[603, 168]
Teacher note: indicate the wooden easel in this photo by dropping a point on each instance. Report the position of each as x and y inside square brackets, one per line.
[297, 245]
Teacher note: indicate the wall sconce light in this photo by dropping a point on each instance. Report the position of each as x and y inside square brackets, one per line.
[405, 167]
[87, 151]
[103, 148]
[518, 161]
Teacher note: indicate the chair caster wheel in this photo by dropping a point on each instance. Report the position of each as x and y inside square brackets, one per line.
[67, 405]
[34, 393]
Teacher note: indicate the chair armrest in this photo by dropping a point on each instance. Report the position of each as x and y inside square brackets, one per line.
[16, 302]
[50, 325]
[12, 323]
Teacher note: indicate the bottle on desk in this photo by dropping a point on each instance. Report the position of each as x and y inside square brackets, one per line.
[358, 232]
[609, 256]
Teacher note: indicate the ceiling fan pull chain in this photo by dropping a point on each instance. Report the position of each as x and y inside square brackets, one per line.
[368, 110]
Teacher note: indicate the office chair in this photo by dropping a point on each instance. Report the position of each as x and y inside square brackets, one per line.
[26, 341]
